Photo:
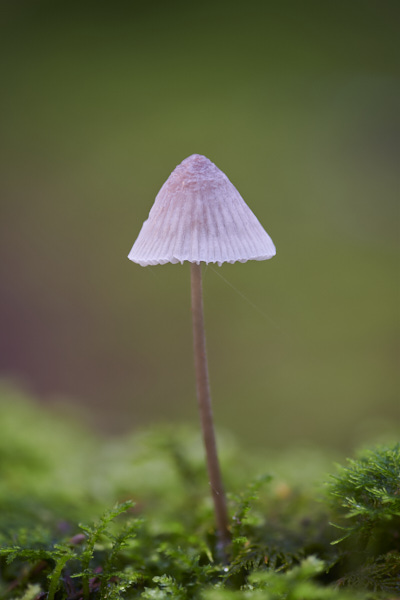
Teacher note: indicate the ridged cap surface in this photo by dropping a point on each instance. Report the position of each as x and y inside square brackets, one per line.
[199, 216]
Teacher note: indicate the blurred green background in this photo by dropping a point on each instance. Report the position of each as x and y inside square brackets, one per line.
[298, 103]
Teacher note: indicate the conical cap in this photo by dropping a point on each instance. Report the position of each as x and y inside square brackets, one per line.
[199, 216]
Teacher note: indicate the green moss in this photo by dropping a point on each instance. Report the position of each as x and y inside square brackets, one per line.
[61, 540]
[365, 494]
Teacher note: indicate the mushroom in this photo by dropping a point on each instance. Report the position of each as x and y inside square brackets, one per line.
[199, 216]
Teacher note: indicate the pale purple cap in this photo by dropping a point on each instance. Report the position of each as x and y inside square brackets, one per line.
[199, 216]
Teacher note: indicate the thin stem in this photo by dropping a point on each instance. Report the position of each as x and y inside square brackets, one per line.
[204, 400]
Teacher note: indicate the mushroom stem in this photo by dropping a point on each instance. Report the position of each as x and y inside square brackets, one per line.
[204, 400]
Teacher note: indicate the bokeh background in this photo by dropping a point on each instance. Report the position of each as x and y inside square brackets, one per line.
[298, 103]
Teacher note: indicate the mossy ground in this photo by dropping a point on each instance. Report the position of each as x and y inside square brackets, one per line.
[132, 517]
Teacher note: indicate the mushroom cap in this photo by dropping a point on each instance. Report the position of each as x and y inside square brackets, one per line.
[199, 216]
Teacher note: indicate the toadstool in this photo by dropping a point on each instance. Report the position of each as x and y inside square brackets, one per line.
[199, 216]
